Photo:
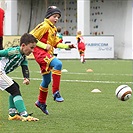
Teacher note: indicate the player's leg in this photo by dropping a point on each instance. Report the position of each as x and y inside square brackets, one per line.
[82, 56]
[56, 75]
[16, 102]
[44, 62]
[43, 92]
[6, 82]
[12, 109]
[17, 99]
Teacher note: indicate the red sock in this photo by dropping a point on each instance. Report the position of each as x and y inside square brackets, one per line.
[56, 75]
[43, 95]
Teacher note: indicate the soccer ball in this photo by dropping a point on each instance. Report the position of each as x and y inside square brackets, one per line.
[123, 92]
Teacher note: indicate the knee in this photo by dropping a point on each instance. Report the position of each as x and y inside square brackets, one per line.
[14, 89]
[45, 83]
[58, 65]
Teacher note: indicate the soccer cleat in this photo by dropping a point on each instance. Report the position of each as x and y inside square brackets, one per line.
[16, 117]
[42, 107]
[58, 97]
[29, 118]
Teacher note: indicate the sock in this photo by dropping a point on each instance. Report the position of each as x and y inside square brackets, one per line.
[12, 108]
[12, 112]
[19, 103]
[43, 94]
[56, 75]
[11, 102]
[82, 59]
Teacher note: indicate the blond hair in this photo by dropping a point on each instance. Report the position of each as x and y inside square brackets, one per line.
[79, 33]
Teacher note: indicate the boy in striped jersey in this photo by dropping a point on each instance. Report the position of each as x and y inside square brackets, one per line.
[10, 59]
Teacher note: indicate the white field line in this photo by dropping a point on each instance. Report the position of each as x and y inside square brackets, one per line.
[86, 81]
[99, 74]
[110, 74]
[82, 81]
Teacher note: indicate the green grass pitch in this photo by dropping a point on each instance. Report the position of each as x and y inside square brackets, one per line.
[82, 111]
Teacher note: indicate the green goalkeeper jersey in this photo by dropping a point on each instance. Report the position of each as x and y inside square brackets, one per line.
[11, 58]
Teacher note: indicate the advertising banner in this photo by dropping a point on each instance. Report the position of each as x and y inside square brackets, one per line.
[96, 47]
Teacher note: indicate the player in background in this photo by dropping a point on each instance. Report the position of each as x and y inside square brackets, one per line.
[59, 34]
[2, 14]
[45, 32]
[81, 46]
[10, 59]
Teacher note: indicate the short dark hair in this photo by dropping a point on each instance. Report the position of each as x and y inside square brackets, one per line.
[27, 38]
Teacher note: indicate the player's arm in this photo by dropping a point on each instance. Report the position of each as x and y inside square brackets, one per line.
[65, 46]
[38, 32]
[4, 53]
[43, 45]
[26, 74]
[62, 45]
[78, 40]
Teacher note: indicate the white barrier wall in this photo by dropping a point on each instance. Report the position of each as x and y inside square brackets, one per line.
[96, 47]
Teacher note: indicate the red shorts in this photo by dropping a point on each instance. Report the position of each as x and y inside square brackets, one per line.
[81, 47]
[43, 58]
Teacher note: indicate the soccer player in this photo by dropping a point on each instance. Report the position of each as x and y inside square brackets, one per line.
[46, 33]
[59, 34]
[10, 59]
[81, 46]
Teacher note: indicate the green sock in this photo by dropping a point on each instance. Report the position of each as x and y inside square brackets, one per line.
[12, 108]
[11, 102]
[19, 103]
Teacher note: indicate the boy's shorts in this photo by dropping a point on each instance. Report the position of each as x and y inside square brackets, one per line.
[5, 81]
